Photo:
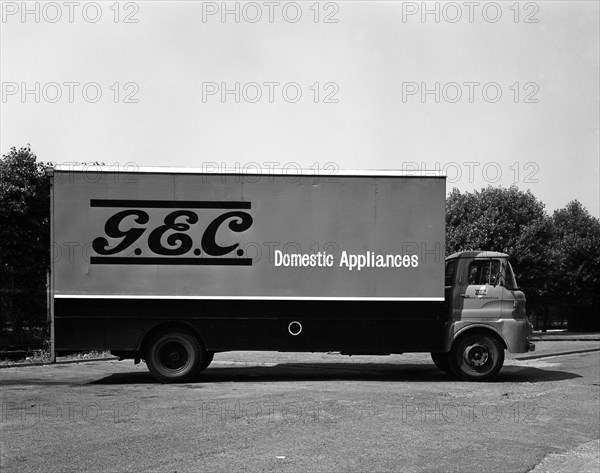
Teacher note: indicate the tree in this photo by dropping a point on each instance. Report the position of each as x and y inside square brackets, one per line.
[576, 248]
[536, 267]
[24, 244]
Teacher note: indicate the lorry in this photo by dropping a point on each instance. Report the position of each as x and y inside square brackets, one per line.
[173, 265]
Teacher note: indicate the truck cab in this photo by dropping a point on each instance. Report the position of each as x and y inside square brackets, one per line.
[486, 314]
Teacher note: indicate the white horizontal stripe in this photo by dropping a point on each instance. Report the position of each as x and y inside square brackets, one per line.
[275, 298]
[249, 170]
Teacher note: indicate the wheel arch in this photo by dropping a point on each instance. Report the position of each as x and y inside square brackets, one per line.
[479, 328]
[164, 327]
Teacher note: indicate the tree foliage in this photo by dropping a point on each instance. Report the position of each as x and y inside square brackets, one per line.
[492, 219]
[576, 251]
[24, 243]
[534, 263]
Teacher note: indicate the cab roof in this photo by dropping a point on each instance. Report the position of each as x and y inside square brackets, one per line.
[477, 254]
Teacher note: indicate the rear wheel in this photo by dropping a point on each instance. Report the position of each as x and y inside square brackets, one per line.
[476, 357]
[442, 361]
[174, 357]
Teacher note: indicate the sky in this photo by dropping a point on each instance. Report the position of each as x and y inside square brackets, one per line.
[491, 93]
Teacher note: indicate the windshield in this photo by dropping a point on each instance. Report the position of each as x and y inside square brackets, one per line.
[484, 272]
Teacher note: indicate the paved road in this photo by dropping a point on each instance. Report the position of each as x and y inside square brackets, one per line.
[303, 412]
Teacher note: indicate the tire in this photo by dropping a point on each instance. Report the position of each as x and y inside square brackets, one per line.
[476, 357]
[442, 361]
[174, 357]
[206, 360]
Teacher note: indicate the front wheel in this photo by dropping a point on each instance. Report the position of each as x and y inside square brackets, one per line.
[174, 357]
[476, 357]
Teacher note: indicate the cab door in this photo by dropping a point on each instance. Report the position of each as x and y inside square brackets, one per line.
[480, 294]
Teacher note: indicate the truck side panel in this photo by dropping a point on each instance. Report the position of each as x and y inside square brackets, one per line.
[133, 251]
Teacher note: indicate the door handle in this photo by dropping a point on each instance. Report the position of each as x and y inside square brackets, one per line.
[466, 296]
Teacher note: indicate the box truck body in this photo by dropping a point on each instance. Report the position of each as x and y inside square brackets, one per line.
[171, 265]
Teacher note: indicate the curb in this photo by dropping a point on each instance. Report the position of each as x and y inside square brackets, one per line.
[548, 355]
[566, 338]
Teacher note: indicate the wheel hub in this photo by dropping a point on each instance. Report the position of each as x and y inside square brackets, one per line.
[476, 355]
[173, 355]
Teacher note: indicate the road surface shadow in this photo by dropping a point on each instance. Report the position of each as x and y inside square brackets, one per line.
[341, 372]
